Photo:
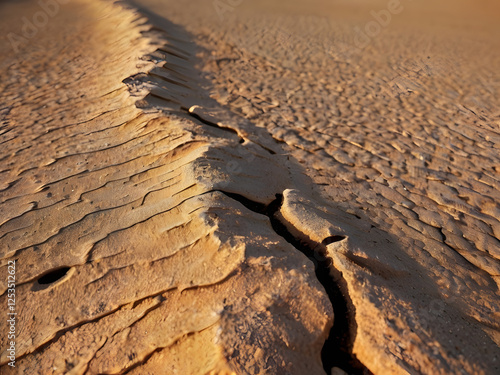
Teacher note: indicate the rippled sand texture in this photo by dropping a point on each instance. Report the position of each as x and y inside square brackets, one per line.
[165, 273]
[161, 218]
[402, 132]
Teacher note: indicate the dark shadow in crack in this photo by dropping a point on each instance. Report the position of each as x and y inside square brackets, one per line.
[337, 350]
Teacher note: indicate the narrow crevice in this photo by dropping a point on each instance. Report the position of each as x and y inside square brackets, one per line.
[58, 334]
[139, 363]
[256, 207]
[209, 123]
[444, 240]
[158, 295]
[148, 356]
[337, 350]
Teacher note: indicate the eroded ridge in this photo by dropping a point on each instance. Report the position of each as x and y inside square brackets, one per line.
[130, 258]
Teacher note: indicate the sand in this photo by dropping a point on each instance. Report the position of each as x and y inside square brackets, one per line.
[210, 187]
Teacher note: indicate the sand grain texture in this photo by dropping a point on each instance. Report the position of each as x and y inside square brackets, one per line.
[180, 164]
[130, 201]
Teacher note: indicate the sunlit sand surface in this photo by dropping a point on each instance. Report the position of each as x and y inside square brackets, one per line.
[250, 187]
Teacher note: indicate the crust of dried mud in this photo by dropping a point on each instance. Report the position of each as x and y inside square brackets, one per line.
[182, 185]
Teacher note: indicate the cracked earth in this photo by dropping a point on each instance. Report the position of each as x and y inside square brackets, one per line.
[186, 191]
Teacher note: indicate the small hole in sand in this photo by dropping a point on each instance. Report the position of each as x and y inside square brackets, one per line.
[332, 239]
[53, 276]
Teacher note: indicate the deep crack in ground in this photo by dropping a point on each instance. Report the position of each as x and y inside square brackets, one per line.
[337, 350]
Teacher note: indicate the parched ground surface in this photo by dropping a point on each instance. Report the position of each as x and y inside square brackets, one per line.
[164, 177]
[130, 257]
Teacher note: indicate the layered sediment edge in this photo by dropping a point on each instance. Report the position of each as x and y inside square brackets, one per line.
[367, 274]
[151, 163]
[175, 89]
[139, 210]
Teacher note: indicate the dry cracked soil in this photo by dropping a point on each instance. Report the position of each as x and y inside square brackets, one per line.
[249, 187]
